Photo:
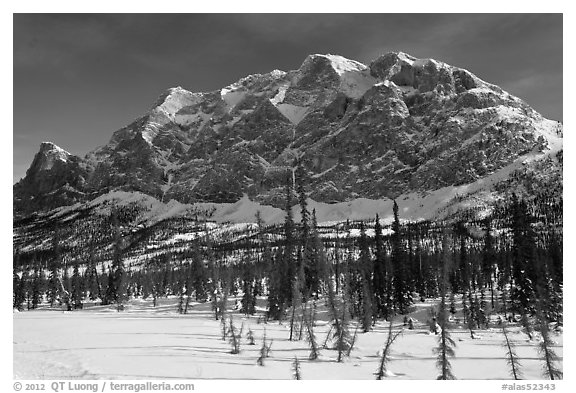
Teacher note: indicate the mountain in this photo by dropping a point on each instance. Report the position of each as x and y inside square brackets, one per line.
[417, 130]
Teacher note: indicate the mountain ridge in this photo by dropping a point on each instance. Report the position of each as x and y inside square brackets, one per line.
[397, 126]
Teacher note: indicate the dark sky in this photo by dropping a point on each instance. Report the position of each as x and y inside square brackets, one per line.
[78, 78]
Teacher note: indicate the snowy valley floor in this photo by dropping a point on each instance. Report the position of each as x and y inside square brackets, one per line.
[143, 342]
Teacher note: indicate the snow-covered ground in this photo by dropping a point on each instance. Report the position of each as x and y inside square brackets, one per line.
[143, 342]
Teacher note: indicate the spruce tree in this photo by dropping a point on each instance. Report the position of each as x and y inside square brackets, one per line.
[340, 319]
[77, 286]
[250, 337]
[66, 288]
[104, 285]
[402, 288]
[511, 357]
[119, 282]
[380, 273]
[37, 286]
[276, 296]
[198, 276]
[344, 342]
[524, 271]
[308, 261]
[385, 358]
[365, 263]
[109, 295]
[288, 256]
[248, 297]
[310, 335]
[24, 290]
[181, 288]
[235, 336]
[264, 350]
[92, 280]
[445, 343]
[18, 296]
[545, 347]
[488, 259]
[54, 283]
[296, 369]
[296, 305]
[283, 268]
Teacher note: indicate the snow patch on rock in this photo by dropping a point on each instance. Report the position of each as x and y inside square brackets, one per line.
[293, 113]
[355, 83]
[342, 65]
[279, 97]
[232, 96]
[52, 153]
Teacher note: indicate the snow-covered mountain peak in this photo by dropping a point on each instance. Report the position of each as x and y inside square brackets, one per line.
[277, 73]
[405, 57]
[51, 146]
[334, 72]
[407, 124]
[174, 99]
[54, 150]
[342, 65]
[51, 153]
[254, 85]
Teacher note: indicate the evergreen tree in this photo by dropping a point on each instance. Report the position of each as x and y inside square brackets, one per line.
[248, 297]
[119, 282]
[77, 286]
[309, 263]
[66, 284]
[197, 276]
[288, 257]
[276, 297]
[250, 337]
[402, 288]
[296, 369]
[37, 286]
[54, 284]
[488, 259]
[283, 270]
[385, 359]
[545, 347]
[524, 271]
[18, 296]
[366, 277]
[340, 318]
[92, 280]
[511, 357]
[264, 350]
[306, 261]
[344, 342]
[452, 304]
[235, 337]
[460, 276]
[445, 342]
[109, 296]
[104, 289]
[445, 345]
[296, 305]
[24, 290]
[310, 335]
[380, 274]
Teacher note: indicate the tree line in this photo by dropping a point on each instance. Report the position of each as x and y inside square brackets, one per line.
[513, 257]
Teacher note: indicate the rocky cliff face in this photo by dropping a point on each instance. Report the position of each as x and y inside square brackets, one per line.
[396, 126]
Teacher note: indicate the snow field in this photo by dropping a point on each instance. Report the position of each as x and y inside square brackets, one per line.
[144, 342]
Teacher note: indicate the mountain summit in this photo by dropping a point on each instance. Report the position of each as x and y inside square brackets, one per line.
[397, 126]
